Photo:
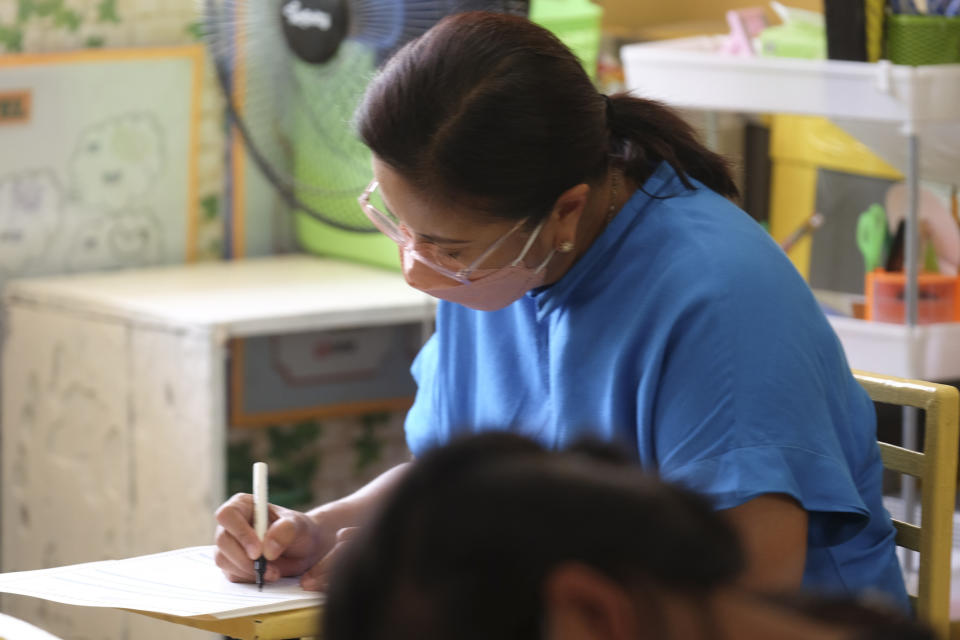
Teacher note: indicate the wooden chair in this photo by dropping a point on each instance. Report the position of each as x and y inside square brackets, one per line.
[936, 469]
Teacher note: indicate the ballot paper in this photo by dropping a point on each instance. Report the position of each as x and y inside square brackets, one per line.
[15, 629]
[184, 582]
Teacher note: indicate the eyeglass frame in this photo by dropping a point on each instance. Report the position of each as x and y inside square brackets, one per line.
[385, 223]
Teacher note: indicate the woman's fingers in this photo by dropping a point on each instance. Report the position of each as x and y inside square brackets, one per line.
[235, 516]
[288, 530]
[318, 576]
[243, 570]
[228, 547]
[231, 559]
[235, 539]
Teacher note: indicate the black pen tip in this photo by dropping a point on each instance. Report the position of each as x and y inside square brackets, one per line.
[260, 568]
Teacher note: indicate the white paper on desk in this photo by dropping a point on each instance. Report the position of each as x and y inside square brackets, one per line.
[184, 582]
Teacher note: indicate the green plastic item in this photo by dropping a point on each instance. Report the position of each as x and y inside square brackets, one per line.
[576, 23]
[794, 41]
[930, 262]
[872, 236]
[919, 40]
[328, 156]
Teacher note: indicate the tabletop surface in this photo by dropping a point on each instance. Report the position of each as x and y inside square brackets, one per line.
[280, 625]
[259, 296]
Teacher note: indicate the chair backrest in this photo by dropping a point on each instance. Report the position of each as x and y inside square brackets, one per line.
[936, 469]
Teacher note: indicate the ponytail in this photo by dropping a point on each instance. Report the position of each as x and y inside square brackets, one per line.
[645, 133]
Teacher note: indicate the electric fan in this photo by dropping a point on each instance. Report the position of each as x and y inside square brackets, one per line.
[292, 73]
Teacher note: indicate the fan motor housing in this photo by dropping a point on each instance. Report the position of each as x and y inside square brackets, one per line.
[314, 29]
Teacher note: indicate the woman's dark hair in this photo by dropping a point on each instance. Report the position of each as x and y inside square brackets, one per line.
[494, 111]
[464, 544]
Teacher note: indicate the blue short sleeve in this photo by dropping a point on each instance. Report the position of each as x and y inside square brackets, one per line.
[740, 475]
[754, 397]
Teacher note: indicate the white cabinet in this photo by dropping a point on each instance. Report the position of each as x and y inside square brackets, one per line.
[114, 406]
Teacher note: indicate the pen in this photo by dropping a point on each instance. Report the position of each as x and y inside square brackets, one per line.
[260, 515]
[809, 225]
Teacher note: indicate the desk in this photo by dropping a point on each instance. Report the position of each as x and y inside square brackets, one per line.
[114, 406]
[282, 625]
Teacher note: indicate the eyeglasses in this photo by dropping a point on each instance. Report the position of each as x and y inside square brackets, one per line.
[429, 253]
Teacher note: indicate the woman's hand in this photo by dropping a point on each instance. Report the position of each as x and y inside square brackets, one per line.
[318, 577]
[294, 543]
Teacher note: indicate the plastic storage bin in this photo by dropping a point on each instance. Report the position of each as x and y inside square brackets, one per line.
[938, 297]
[920, 40]
[576, 23]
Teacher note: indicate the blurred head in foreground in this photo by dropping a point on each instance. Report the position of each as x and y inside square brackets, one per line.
[494, 538]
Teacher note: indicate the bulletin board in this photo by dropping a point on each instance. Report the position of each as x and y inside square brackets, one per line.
[99, 161]
[322, 374]
[835, 262]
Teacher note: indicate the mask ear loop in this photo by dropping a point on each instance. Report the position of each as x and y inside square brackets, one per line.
[543, 265]
[466, 271]
[526, 247]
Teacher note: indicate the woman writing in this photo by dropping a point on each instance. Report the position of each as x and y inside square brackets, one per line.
[596, 280]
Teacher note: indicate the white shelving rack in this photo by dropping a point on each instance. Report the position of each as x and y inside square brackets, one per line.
[922, 105]
[691, 73]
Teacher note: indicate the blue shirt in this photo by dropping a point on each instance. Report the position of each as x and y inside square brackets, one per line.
[685, 333]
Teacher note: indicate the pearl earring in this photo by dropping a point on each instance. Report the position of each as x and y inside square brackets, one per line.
[565, 247]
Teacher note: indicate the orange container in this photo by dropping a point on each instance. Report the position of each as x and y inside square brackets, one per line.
[938, 297]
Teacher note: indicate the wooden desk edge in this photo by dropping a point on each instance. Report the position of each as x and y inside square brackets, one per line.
[278, 625]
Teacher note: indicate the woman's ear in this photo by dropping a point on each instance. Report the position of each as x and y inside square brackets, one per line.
[582, 604]
[567, 211]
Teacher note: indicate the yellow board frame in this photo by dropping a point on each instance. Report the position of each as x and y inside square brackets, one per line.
[240, 418]
[195, 54]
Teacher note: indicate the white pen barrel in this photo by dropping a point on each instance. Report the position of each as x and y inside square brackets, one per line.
[260, 499]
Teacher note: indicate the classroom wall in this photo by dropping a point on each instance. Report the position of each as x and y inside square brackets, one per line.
[343, 453]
